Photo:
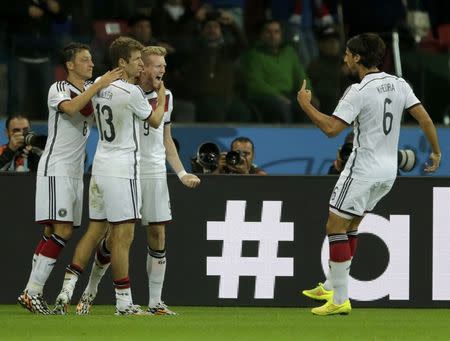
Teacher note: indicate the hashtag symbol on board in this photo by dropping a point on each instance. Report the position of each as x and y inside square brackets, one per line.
[266, 266]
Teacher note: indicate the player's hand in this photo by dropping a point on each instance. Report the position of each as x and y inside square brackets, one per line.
[109, 77]
[162, 94]
[16, 141]
[304, 95]
[190, 180]
[435, 162]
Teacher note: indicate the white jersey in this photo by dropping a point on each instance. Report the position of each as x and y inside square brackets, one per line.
[153, 152]
[64, 151]
[375, 106]
[118, 109]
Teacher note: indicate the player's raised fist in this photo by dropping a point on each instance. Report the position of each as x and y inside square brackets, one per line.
[303, 95]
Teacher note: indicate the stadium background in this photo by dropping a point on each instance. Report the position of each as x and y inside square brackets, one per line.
[295, 150]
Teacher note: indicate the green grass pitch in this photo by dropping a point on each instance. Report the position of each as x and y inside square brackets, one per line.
[220, 323]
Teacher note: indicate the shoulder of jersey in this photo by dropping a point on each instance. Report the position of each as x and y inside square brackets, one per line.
[88, 83]
[168, 92]
[60, 85]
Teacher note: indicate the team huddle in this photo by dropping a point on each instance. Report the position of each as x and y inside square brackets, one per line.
[132, 110]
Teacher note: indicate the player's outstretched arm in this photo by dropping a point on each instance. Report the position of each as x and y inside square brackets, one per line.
[156, 117]
[189, 180]
[328, 124]
[427, 125]
[77, 103]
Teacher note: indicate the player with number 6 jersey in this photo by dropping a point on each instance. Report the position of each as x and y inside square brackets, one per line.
[375, 107]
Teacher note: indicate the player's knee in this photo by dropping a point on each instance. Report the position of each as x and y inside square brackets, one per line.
[63, 230]
[334, 228]
[156, 233]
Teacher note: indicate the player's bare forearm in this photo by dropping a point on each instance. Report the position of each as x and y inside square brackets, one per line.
[431, 134]
[156, 117]
[427, 126]
[77, 103]
[172, 155]
[322, 121]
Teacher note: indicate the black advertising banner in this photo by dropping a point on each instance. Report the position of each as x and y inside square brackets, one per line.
[259, 241]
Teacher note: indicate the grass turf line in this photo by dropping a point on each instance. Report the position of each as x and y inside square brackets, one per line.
[224, 323]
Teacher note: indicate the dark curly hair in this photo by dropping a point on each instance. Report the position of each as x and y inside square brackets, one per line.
[370, 47]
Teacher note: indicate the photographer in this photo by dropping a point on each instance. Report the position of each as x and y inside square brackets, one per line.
[16, 155]
[342, 155]
[239, 160]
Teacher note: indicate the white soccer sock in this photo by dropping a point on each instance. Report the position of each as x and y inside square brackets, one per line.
[156, 269]
[339, 273]
[327, 284]
[70, 281]
[42, 269]
[97, 272]
[123, 298]
[33, 264]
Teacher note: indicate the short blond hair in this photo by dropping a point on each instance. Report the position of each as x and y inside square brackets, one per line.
[153, 50]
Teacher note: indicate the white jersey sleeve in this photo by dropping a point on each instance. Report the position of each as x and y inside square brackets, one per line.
[410, 98]
[139, 104]
[59, 92]
[168, 113]
[349, 105]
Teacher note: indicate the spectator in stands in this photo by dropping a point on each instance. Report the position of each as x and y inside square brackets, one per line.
[30, 25]
[140, 28]
[273, 73]
[215, 71]
[301, 19]
[328, 70]
[234, 7]
[15, 155]
[174, 23]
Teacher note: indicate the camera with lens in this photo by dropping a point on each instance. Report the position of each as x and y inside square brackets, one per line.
[233, 158]
[207, 157]
[406, 159]
[34, 140]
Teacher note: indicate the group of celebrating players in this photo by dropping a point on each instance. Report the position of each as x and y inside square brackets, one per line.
[132, 109]
[129, 183]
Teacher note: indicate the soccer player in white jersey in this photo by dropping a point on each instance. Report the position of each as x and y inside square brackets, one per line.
[59, 183]
[375, 107]
[157, 146]
[114, 193]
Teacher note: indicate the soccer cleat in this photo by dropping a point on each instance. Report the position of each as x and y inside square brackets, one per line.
[330, 308]
[36, 304]
[160, 309]
[319, 293]
[85, 304]
[62, 303]
[131, 309]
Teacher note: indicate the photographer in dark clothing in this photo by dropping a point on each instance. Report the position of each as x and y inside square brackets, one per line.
[16, 155]
[342, 155]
